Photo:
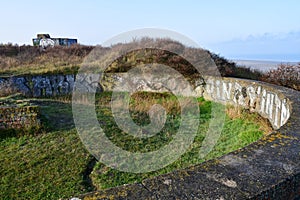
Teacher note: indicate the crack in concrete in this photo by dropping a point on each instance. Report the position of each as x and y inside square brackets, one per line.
[148, 189]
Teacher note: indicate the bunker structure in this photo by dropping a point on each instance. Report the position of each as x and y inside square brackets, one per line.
[44, 41]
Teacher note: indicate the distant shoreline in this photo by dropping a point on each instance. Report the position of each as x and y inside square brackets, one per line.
[260, 65]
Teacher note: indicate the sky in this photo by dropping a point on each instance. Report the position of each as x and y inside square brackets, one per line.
[249, 29]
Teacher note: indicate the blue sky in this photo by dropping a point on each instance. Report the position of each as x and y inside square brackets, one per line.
[268, 29]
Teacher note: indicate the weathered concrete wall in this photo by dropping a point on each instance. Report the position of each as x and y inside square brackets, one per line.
[37, 86]
[256, 96]
[253, 95]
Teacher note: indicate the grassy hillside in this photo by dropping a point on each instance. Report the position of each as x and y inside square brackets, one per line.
[17, 60]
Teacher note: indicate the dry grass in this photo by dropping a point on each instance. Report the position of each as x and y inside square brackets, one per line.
[235, 112]
[16, 59]
[143, 101]
[30, 60]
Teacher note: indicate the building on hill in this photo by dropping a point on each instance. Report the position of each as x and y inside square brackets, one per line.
[44, 41]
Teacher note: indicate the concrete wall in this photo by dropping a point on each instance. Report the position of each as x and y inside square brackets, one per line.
[38, 86]
[253, 95]
[256, 96]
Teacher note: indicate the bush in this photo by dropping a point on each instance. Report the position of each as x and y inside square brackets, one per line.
[284, 75]
[229, 69]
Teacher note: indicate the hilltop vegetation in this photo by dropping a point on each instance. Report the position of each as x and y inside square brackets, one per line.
[17, 60]
[20, 60]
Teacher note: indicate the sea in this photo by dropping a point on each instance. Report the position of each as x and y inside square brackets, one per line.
[261, 65]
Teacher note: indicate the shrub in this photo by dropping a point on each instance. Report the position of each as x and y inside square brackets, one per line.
[230, 69]
[285, 75]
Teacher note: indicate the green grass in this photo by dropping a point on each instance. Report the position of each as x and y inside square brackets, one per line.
[46, 165]
[54, 164]
[237, 133]
[49, 166]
